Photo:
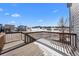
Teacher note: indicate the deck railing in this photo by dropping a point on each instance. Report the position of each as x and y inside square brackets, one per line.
[15, 37]
[63, 38]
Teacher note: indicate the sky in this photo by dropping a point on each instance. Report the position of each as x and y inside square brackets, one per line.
[32, 14]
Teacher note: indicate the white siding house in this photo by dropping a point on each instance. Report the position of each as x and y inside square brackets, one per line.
[74, 18]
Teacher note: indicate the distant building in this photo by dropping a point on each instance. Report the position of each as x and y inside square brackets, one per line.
[29, 29]
[41, 28]
[9, 28]
[0, 27]
[21, 28]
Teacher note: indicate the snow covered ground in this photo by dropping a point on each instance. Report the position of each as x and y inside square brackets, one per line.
[46, 50]
[52, 47]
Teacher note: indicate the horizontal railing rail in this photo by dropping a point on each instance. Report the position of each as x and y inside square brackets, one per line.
[49, 32]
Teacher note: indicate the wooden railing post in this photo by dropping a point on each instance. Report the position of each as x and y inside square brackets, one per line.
[60, 37]
[21, 36]
[30, 39]
[70, 39]
[76, 40]
[25, 38]
[2, 41]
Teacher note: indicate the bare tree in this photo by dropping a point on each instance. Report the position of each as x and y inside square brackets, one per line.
[62, 29]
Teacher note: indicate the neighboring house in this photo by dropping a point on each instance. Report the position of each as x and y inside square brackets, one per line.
[48, 28]
[1, 28]
[9, 28]
[40, 28]
[74, 19]
[21, 28]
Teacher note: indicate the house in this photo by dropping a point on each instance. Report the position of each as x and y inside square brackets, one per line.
[9, 28]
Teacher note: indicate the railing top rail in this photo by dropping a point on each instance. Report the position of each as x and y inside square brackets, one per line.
[49, 32]
[12, 32]
[41, 32]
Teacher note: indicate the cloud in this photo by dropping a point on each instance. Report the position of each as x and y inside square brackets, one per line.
[41, 20]
[7, 14]
[54, 11]
[13, 22]
[1, 9]
[15, 15]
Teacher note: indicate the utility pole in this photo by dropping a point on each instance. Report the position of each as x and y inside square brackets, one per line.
[70, 22]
